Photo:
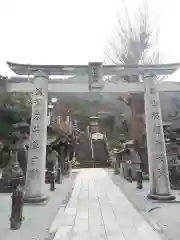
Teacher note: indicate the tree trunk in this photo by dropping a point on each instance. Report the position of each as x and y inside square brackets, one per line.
[136, 103]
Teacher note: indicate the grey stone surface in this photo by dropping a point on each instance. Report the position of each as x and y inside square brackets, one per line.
[37, 218]
[98, 209]
[163, 216]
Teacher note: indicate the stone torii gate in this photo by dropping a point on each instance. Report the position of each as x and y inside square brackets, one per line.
[86, 78]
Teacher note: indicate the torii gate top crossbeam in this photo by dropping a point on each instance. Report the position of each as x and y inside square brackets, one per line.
[120, 70]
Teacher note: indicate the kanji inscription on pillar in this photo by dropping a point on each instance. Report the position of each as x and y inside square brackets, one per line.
[154, 103]
[37, 115]
[39, 92]
[157, 129]
[34, 144]
[36, 128]
[37, 102]
[155, 115]
[152, 90]
[155, 139]
[34, 160]
[35, 178]
[161, 170]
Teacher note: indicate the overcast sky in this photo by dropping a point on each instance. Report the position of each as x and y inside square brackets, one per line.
[75, 31]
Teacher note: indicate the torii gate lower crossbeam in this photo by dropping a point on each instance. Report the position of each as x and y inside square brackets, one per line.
[158, 166]
[72, 85]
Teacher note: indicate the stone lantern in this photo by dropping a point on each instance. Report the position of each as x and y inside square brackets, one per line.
[12, 174]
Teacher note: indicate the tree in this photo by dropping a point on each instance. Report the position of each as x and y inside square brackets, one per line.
[19, 102]
[135, 43]
[14, 108]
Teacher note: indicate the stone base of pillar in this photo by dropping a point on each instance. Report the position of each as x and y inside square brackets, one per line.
[160, 197]
[38, 199]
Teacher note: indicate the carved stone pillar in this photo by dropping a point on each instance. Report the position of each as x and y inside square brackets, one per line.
[157, 158]
[35, 175]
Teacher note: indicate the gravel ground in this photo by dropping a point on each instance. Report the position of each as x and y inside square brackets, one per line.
[37, 218]
[164, 217]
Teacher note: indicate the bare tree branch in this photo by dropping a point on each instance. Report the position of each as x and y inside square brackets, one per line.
[124, 101]
[135, 43]
[135, 39]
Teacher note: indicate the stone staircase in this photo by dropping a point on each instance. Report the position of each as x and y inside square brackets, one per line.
[84, 155]
[83, 150]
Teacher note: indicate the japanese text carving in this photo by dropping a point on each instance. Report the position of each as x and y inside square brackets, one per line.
[160, 158]
[161, 172]
[35, 144]
[39, 92]
[34, 160]
[159, 141]
[37, 102]
[95, 75]
[37, 115]
[155, 116]
[36, 129]
[94, 72]
[157, 129]
[152, 90]
[33, 173]
[154, 103]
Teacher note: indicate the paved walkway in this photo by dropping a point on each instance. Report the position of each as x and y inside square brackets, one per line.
[37, 217]
[163, 216]
[98, 210]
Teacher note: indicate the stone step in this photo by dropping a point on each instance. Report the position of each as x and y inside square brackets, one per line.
[92, 164]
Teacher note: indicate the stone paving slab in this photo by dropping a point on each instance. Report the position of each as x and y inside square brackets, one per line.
[163, 216]
[38, 218]
[99, 210]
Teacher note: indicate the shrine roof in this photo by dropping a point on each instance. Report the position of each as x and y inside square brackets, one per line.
[29, 69]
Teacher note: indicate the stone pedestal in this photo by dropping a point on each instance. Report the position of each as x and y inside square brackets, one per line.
[157, 158]
[35, 176]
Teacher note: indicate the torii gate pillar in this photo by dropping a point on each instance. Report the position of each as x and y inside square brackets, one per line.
[35, 175]
[157, 158]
